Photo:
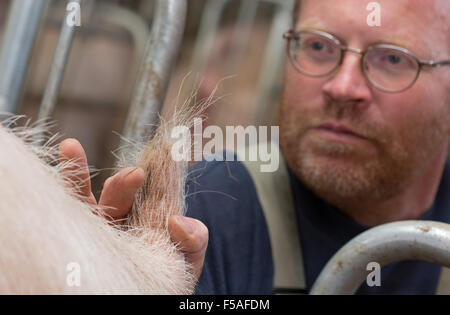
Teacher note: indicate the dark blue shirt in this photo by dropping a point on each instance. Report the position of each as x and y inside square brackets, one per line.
[239, 260]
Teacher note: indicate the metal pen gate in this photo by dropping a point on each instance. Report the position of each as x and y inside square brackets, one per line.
[162, 46]
[159, 59]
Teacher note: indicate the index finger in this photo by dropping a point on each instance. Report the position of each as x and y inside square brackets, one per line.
[78, 173]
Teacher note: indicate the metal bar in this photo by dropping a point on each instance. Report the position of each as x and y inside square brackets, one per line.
[270, 75]
[139, 29]
[134, 23]
[408, 240]
[160, 57]
[271, 71]
[21, 30]
[209, 25]
[241, 33]
[58, 67]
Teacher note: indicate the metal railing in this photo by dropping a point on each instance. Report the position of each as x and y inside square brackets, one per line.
[159, 59]
[408, 240]
[274, 49]
[161, 50]
[58, 68]
[22, 26]
[160, 56]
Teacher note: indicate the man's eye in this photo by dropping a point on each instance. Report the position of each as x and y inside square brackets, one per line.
[317, 46]
[394, 59]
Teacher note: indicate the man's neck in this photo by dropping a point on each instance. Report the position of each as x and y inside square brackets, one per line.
[411, 204]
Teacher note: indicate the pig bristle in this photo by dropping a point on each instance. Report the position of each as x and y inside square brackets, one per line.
[46, 226]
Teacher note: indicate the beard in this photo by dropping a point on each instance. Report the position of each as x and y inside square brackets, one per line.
[348, 173]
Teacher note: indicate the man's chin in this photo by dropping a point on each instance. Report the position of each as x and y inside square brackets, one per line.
[335, 176]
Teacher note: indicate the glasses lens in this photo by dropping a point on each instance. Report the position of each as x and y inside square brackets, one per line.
[390, 69]
[314, 55]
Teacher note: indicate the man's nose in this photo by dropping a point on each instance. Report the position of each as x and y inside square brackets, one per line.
[348, 84]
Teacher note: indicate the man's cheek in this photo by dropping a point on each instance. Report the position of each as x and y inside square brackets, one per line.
[303, 93]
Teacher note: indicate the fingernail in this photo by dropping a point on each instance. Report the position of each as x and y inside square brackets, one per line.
[130, 172]
[188, 225]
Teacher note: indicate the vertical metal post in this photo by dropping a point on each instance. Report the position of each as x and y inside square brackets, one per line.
[270, 75]
[241, 33]
[209, 26]
[21, 30]
[58, 67]
[134, 23]
[161, 52]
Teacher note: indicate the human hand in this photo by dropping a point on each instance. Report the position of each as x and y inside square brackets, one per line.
[117, 199]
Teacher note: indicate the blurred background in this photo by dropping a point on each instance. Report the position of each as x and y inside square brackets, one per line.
[234, 47]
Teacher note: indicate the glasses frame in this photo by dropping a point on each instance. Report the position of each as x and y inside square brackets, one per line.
[291, 35]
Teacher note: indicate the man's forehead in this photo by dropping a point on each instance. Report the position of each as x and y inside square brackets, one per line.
[407, 23]
[401, 39]
[439, 8]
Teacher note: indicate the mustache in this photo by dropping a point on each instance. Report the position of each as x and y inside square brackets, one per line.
[344, 114]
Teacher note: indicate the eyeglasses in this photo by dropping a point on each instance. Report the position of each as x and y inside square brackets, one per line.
[387, 67]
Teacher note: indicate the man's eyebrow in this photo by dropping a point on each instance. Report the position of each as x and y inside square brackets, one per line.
[400, 40]
[404, 41]
[318, 26]
[312, 24]
[397, 40]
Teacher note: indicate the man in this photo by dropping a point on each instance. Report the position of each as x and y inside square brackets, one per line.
[365, 128]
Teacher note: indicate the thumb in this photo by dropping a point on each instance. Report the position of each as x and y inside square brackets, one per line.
[192, 237]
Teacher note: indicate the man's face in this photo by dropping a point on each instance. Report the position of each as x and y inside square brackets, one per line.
[396, 136]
